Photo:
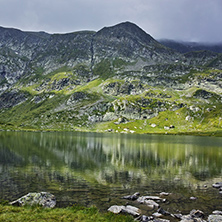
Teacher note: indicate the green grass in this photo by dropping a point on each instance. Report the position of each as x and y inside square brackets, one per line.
[41, 111]
[74, 213]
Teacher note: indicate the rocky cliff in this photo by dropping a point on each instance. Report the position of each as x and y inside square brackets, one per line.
[118, 79]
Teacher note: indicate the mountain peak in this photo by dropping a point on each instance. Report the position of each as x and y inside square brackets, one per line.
[126, 30]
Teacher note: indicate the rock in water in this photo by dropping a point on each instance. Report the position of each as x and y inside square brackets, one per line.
[135, 196]
[44, 199]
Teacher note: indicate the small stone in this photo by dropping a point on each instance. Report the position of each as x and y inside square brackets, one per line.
[116, 209]
[132, 197]
[164, 194]
[178, 216]
[163, 212]
[197, 213]
[217, 212]
[157, 215]
[125, 209]
[217, 185]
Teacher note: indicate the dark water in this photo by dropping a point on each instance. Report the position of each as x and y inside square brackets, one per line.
[98, 169]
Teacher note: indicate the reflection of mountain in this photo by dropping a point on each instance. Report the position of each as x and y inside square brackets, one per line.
[114, 159]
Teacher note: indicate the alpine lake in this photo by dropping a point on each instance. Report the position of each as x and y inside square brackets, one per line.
[99, 169]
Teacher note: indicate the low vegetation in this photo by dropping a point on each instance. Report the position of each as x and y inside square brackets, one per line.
[73, 213]
[100, 105]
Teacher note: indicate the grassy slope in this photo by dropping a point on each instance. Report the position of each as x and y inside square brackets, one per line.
[51, 113]
[75, 213]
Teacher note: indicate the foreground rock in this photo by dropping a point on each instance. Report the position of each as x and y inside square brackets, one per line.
[152, 203]
[194, 216]
[125, 209]
[44, 199]
[216, 216]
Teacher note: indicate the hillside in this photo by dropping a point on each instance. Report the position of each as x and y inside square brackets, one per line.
[119, 79]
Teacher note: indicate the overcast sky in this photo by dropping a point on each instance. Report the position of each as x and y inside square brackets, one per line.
[187, 20]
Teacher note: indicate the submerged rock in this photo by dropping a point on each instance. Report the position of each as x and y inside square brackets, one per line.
[44, 199]
[164, 194]
[135, 196]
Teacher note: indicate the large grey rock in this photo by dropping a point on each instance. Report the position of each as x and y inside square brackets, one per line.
[216, 216]
[44, 199]
[125, 209]
[194, 216]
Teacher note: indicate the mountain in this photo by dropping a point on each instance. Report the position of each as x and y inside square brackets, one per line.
[119, 79]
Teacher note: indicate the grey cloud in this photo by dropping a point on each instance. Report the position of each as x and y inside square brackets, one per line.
[197, 20]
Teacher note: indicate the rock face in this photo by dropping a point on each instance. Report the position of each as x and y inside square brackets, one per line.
[44, 199]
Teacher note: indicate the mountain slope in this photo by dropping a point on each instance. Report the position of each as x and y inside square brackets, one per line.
[118, 79]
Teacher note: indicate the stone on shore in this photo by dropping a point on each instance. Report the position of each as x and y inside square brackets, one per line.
[216, 216]
[217, 185]
[125, 209]
[44, 199]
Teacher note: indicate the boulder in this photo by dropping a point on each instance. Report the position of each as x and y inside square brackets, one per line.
[214, 218]
[44, 199]
[125, 209]
[194, 216]
[148, 201]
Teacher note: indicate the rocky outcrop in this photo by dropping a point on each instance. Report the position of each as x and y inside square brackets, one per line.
[12, 98]
[76, 97]
[44, 199]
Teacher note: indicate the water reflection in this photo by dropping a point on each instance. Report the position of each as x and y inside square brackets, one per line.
[88, 152]
[69, 162]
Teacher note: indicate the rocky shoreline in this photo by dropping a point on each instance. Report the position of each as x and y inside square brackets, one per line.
[160, 215]
[151, 203]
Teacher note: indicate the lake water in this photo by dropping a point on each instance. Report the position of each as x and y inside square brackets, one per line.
[98, 169]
